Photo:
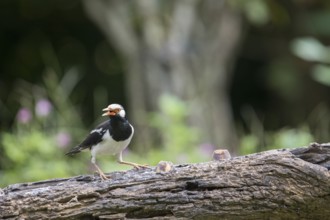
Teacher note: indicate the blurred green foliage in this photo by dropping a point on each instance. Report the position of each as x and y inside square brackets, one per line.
[170, 121]
[311, 49]
[31, 156]
[284, 138]
[256, 11]
[45, 126]
[180, 143]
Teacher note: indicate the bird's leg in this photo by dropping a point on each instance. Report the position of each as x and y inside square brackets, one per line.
[102, 175]
[135, 165]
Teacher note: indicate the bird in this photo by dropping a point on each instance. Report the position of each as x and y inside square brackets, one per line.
[109, 137]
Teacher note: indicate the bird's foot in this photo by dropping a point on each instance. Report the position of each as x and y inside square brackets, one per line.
[102, 175]
[140, 166]
[100, 172]
[135, 165]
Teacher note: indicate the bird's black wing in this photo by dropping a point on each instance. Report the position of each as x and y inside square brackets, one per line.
[93, 138]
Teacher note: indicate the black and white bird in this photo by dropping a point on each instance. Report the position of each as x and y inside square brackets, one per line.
[110, 137]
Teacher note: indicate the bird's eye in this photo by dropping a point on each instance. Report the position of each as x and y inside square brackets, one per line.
[115, 110]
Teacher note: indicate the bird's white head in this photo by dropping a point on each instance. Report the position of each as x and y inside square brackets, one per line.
[114, 109]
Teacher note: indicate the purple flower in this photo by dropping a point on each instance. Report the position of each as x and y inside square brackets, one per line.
[24, 115]
[63, 139]
[43, 107]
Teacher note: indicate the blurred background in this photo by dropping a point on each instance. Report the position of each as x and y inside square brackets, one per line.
[193, 76]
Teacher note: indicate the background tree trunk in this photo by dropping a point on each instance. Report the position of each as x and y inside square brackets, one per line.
[276, 184]
[183, 48]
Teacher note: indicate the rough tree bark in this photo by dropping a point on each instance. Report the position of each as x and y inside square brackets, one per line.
[276, 184]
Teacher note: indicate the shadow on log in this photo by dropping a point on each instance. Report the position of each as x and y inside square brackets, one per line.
[275, 184]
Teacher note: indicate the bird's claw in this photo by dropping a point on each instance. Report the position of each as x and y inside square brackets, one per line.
[102, 176]
[140, 166]
[135, 165]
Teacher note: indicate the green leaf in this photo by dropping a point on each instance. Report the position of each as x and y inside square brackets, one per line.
[321, 74]
[310, 49]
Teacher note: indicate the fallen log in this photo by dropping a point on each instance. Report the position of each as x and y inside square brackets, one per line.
[275, 184]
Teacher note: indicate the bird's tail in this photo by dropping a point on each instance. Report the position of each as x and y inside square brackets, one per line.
[74, 151]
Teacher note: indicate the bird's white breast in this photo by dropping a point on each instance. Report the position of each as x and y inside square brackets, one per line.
[110, 146]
